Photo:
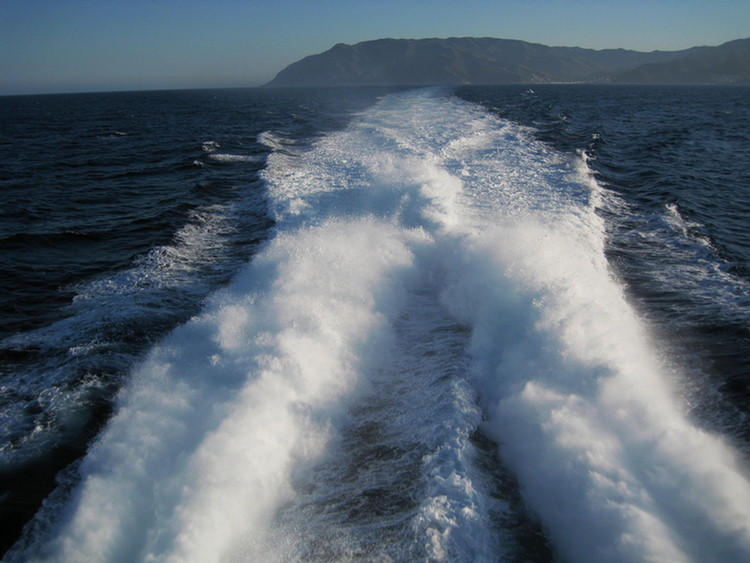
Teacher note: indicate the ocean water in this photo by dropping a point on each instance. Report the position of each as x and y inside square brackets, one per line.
[469, 324]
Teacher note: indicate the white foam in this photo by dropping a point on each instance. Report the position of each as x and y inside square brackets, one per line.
[582, 406]
[155, 288]
[216, 420]
[232, 158]
[453, 518]
[421, 196]
[210, 146]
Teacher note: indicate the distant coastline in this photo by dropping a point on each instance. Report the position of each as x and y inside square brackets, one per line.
[469, 60]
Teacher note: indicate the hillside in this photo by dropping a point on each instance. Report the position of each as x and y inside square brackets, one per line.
[727, 63]
[470, 60]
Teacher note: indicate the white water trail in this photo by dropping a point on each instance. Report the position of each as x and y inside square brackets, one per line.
[219, 417]
[582, 406]
[423, 195]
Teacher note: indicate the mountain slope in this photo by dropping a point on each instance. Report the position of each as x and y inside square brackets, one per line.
[471, 60]
[727, 63]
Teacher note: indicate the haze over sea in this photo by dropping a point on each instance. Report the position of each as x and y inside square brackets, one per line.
[439, 324]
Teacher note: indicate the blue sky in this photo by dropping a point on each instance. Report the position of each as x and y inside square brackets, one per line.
[88, 45]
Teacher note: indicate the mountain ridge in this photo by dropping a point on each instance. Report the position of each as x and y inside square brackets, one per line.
[484, 60]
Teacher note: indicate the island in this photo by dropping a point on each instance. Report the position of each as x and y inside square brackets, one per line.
[470, 60]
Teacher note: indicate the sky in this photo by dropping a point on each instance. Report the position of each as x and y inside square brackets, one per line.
[51, 46]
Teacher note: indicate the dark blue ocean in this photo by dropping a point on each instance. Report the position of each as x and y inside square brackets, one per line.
[323, 325]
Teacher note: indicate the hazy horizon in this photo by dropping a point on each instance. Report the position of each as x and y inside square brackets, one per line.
[82, 45]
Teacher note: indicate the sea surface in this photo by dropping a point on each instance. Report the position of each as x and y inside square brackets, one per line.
[473, 324]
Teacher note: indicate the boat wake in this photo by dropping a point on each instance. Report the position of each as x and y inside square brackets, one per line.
[430, 360]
